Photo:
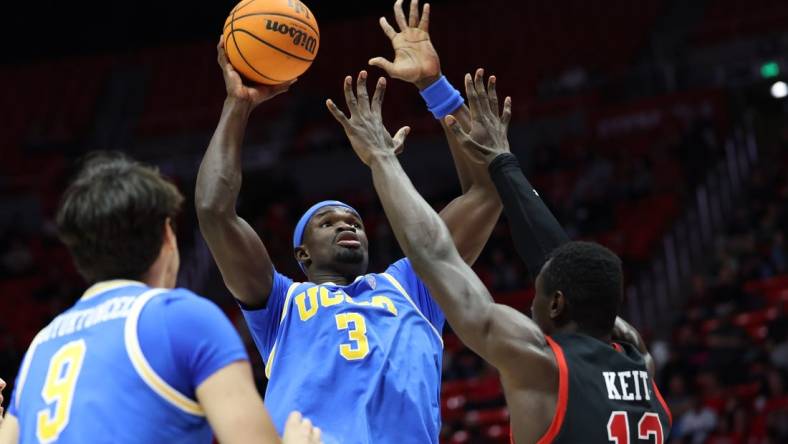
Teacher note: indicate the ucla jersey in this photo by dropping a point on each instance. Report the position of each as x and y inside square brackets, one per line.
[362, 361]
[119, 367]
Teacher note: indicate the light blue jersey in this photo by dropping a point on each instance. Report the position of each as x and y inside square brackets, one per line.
[122, 366]
[362, 361]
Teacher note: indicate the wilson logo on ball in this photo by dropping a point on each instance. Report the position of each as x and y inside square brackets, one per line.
[271, 41]
[300, 38]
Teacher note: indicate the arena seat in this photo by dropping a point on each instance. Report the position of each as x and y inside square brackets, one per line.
[484, 418]
[498, 433]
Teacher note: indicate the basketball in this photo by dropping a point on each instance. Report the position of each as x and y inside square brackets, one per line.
[271, 41]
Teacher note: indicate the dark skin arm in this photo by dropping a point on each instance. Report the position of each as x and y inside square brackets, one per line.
[535, 230]
[503, 336]
[472, 216]
[239, 252]
[624, 332]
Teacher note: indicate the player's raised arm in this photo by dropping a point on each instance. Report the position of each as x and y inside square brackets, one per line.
[500, 334]
[239, 252]
[472, 216]
[535, 230]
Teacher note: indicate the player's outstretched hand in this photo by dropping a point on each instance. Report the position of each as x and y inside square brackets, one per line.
[415, 59]
[364, 128]
[254, 95]
[299, 430]
[489, 127]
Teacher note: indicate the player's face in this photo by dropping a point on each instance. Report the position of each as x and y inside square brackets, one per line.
[335, 240]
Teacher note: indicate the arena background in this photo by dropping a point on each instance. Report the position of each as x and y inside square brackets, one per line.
[655, 127]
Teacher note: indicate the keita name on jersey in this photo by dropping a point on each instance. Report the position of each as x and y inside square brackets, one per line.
[631, 385]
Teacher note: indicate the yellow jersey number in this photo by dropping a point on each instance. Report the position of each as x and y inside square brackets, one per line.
[357, 334]
[64, 368]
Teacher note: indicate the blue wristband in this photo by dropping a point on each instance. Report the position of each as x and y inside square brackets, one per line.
[442, 98]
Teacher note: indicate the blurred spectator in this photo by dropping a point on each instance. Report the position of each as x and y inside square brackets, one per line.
[678, 396]
[696, 424]
[727, 348]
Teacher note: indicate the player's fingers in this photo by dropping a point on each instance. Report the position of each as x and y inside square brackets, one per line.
[350, 98]
[221, 54]
[383, 64]
[424, 24]
[361, 90]
[377, 98]
[473, 96]
[282, 87]
[492, 95]
[413, 15]
[274, 91]
[478, 80]
[316, 438]
[478, 85]
[295, 417]
[456, 128]
[337, 113]
[399, 16]
[506, 117]
[399, 138]
[475, 151]
[387, 29]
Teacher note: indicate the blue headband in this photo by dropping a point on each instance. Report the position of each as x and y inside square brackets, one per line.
[298, 234]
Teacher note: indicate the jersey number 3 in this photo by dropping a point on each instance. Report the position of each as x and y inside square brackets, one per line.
[62, 375]
[649, 426]
[357, 334]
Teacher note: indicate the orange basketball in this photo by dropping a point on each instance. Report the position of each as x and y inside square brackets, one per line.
[271, 41]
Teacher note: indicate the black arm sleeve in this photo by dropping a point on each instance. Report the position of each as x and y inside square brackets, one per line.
[535, 230]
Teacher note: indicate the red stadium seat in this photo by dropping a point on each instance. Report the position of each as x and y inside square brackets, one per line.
[485, 390]
[455, 387]
[460, 437]
[756, 318]
[778, 298]
[767, 285]
[709, 325]
[453, 408]
[498, 433]
[481, 418]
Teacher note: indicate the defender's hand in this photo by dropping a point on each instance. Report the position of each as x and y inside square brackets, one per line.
[368, 136]
[299, 430]
[488, 136]
[253, 95]
[415, 59]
